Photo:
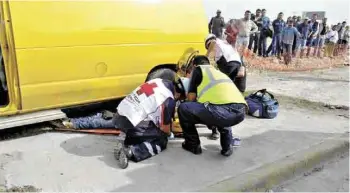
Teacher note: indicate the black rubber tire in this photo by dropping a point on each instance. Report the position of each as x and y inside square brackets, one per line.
[163, 73]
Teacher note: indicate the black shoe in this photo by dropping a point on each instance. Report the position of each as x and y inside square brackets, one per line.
[195, 150]
[228, 152]
[122, 155]
[214, 134]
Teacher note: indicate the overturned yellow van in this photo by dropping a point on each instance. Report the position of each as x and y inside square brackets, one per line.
[65, 53]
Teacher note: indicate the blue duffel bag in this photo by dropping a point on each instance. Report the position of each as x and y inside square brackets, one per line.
[262, 104]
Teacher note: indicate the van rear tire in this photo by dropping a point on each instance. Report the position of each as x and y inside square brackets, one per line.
[163, 73]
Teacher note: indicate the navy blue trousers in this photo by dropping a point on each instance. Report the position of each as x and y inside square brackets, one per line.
[221, 116]
[144, 141]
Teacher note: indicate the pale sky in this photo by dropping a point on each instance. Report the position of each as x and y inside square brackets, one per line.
[336, 10]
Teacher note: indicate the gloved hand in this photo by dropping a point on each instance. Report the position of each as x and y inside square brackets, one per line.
[107, 115]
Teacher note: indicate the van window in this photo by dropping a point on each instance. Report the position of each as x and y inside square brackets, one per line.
[4, 99]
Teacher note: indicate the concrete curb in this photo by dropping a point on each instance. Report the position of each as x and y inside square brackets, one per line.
[272, 174]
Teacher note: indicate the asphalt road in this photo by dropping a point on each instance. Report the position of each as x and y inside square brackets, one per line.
[332, 176]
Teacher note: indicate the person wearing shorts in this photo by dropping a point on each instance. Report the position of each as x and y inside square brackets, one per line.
[246, 27]
[242, 41]
[288, 35]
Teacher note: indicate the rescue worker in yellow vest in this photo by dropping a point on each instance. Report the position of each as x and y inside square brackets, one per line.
[213, 99]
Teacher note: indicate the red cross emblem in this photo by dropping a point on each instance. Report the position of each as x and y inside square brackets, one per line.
[147, 89]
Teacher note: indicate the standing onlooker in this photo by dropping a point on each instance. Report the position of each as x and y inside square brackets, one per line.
[337, 28]
[321, 36]
[287, 40]
[254, 37]
[312, 40]
[278, 26]
[303, 29]
[331, 41]
[216, 25]
[246, 27]
[346, 37]
[294, 18]
[299, 20]
[264, 32]
[341, 41]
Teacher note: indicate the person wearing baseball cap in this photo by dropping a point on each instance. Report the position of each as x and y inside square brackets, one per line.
[212, 100]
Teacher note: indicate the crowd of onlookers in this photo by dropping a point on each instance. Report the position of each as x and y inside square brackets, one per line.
[291, 37]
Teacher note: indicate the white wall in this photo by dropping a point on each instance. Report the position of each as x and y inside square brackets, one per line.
[336, 10]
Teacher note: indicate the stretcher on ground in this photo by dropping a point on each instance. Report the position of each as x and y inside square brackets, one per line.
[176, 129]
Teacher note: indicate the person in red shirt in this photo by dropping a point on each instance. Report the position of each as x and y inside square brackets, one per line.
[232, 32]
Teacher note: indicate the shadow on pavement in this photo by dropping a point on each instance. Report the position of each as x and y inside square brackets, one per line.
[91, 146]
[178, 170]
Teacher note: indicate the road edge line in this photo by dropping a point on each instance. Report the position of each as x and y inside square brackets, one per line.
[269, 175]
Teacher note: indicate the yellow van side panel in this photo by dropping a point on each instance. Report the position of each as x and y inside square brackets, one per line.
[72, 52]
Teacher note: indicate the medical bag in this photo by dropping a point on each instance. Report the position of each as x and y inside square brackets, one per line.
[262, 104]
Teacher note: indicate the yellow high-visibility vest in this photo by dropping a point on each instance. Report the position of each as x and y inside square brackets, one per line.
[217, 88]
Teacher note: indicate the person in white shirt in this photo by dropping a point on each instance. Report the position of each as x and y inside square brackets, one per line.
[331, 41]
[227, 59]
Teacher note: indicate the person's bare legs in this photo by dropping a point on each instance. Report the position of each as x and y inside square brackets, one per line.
[314, 54]
[302, 53]
[319, 52]
[308, 51]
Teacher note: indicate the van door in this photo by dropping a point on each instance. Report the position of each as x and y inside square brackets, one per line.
[9, 93]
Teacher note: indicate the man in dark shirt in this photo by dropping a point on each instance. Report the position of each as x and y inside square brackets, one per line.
[216, 25]
[278, 26]
[312, 37]
[321, 36]
[295, 22]
[264, 33]
[303, 29]
[213, 100]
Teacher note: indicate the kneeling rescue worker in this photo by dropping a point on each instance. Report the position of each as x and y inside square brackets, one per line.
[213, 99]
[145, 116]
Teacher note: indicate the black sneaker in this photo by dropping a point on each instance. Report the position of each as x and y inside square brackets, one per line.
[214, 134]
[228, 152]
[195, 150]
[122, 155]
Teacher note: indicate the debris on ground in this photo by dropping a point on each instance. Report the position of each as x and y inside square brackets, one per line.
[305, 64]
[341, 107]
[27, 188]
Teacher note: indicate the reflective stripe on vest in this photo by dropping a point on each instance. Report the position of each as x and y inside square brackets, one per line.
[212, 81]
[219, 89]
